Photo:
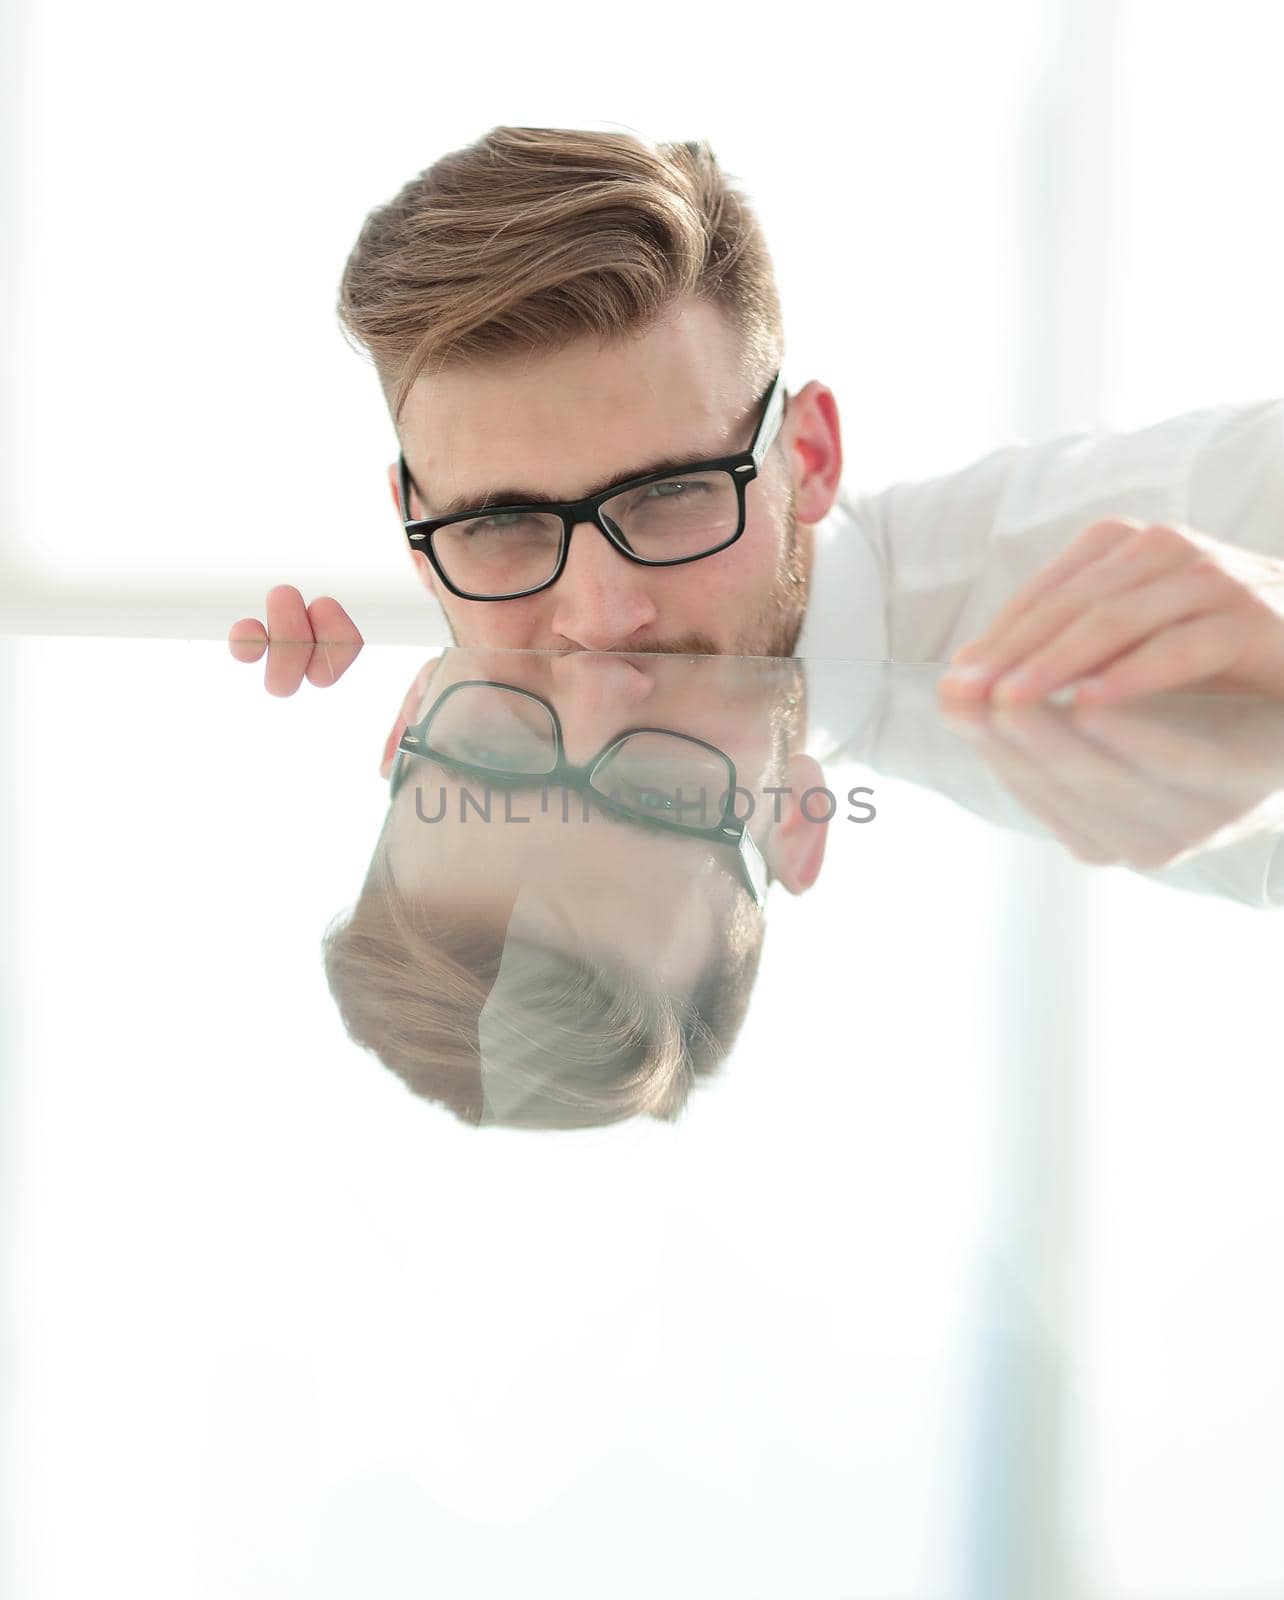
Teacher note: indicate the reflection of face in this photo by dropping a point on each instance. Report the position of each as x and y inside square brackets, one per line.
[555, 427]
[598, 696]
[591, 888]
[655, 899]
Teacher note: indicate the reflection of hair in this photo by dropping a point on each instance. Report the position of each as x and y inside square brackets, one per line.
[595, 1043]
[532, 237]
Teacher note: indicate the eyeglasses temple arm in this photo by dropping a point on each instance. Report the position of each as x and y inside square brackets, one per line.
[769, 427]
[403, 488]
[755, 868]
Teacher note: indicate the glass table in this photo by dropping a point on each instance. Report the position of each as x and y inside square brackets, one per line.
[506, 1124]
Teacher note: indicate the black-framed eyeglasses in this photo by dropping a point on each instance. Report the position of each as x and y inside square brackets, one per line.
[663, 519]
[647, 775]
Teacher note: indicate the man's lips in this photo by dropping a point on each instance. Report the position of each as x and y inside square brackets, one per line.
[613, 677]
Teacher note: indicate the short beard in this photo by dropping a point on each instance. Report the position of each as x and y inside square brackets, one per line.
[775, 630]
[775, 627]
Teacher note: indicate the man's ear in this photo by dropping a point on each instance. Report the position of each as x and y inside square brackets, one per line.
[813, 444]
[402, 516]
[795, 847]
[411, 709]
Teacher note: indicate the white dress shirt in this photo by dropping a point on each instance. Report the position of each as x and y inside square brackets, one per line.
[916, 571]
[912, 573]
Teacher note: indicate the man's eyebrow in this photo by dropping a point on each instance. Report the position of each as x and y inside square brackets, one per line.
[523, 497]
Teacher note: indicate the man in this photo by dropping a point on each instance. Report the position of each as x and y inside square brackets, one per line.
[579, 337]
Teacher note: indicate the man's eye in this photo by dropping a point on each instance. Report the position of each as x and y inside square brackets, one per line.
[501, 520]
[673, 489]
[645, 796]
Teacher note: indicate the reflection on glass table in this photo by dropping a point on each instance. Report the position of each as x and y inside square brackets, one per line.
[927, 1248]
[563, 919]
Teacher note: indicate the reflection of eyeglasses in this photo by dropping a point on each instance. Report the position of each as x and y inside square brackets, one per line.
[678, 513]
[646, 775]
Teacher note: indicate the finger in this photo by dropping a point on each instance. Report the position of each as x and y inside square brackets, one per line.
[1098, 781]
[1090, 546]
[1131, 827]
[1139, 560]
[1045, 743]
[1224, 775]
[287, 616]
[1046, 801]
[331, 624]
[1136, 817]
[1179, 655]
[1248, 730]
[1049, 737]
[287, 666]
[965, 716]
[1111, 626]
[1208, 722]
[247, 639]
[1161, 749]
[338, 641]
[289, 640]
[1148, 820]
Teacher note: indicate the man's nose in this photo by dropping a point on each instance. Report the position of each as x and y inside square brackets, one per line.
[602, 600]
[598, 695]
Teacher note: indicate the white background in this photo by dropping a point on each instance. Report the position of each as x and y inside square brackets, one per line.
[989, 220]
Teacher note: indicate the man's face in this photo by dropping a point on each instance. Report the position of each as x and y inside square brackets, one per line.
[557, 427]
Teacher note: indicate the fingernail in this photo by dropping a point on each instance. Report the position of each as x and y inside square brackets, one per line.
[1090, 690]
[968, 672]
[1010, 686]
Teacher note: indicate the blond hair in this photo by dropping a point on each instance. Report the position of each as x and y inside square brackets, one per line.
[533, 237]
[597, 1043]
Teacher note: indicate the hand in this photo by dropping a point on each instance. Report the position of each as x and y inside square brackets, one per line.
[1143, 787]
[1127, 610]
[319, 642]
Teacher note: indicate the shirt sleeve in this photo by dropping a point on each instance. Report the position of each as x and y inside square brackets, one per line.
[954, 548]
[1236, 486]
